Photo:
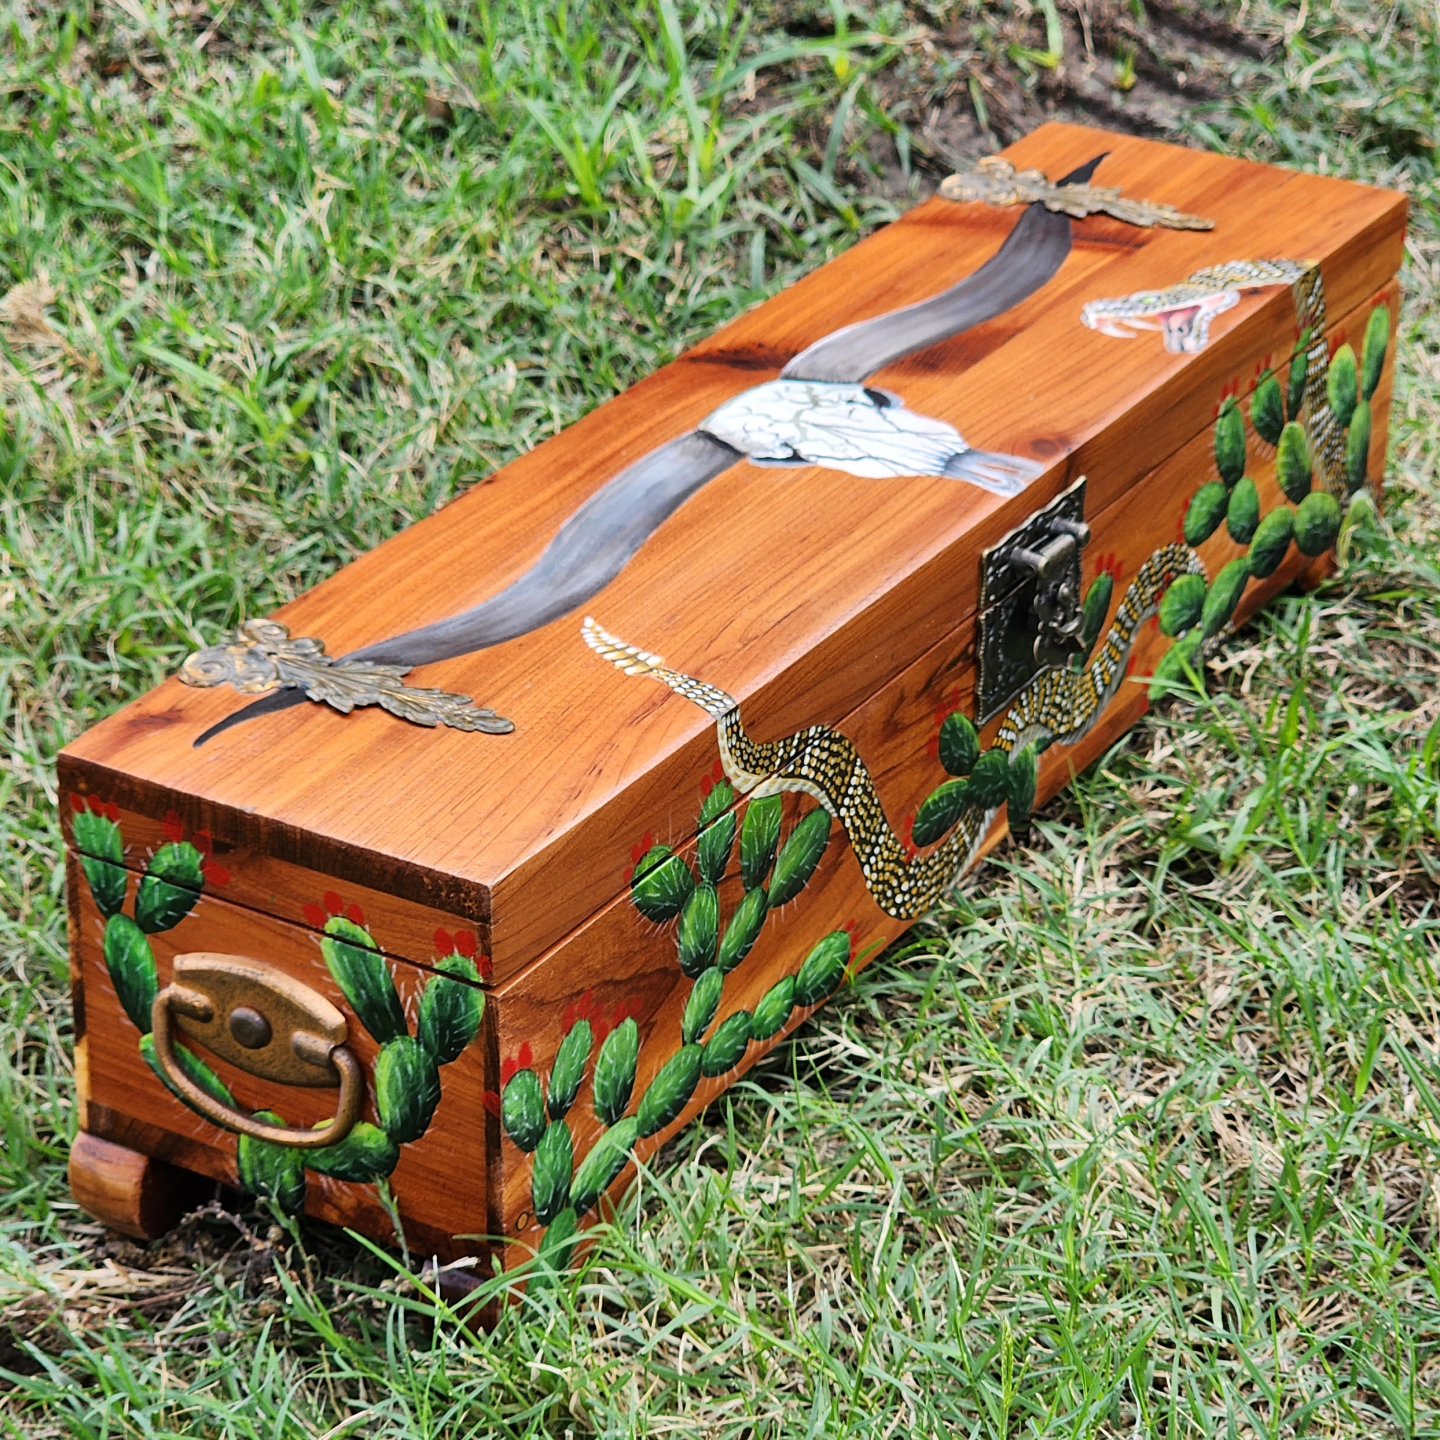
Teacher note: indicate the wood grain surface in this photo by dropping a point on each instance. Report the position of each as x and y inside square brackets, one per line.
[802, 592]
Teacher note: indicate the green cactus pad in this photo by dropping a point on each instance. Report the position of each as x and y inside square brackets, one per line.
[1267, 409]
[1243, 512]
[1299, 377]
[615, 1071]
[743, 930]
[717, 802]
[1230, 442]
[1176, 664]
[799, 856]
[550, 1172]
[1183, 602]
[365, 1155]
[939, 811]
[407, 1089]
[108, 884]
[1292, 462]
[699, 933]
[1223, 597]
[1206, 511]
[772, 1014]
[726, 1047]
[662, 884]
[451, 1009]
[1272, 540]
[1092, 616]
[131, 963]
[276, 1172]
[700, 1009]
[364, 977]
[990, 779]
[196, 1070]
[1357, 448]
[759, 839]
[1024, 778]
[1317, 523]
[823, 969]
[170, 887]
[959, 745]
[569, 1068]
[1342, 384]
[712, 854]
[1372, 352]
[522, 1109]
[607, 1158]
[99, 836]
[669, 1091]
[556, 1249]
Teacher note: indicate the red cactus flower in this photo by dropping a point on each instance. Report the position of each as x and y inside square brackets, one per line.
[175, 833]
[95, 805]
[1109, 564]
[512, 1065]
[467, 944]
[852, 928]
[492, 1102]
[332, 905]
[643, 847]
[710, 781]
[586, 1007]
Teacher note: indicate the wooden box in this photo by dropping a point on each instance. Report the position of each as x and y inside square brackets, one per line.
[473, 875]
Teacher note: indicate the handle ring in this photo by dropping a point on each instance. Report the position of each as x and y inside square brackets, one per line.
[341, 1057]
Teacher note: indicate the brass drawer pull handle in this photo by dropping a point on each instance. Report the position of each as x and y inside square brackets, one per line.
[267, 1024]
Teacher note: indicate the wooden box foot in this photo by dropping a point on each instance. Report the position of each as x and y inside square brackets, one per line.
[130, 1192]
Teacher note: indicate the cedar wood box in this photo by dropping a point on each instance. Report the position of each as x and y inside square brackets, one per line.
[912, 537]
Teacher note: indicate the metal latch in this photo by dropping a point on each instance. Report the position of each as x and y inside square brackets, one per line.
[1030, 609]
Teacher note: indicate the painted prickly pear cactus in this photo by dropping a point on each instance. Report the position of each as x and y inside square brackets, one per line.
[406, 1081]
[1321, 463]
[536, 1110]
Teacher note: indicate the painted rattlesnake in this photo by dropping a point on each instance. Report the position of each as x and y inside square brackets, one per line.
[1060, 705]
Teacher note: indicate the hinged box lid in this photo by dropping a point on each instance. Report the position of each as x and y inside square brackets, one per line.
[794, 509]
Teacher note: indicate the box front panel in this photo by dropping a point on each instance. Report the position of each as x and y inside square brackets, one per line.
[724, 944]
[240, 996]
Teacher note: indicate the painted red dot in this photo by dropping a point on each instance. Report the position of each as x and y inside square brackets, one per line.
[315, 916]
[356, 914]
[333, 903]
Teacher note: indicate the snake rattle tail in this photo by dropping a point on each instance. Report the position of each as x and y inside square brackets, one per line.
[631, 660]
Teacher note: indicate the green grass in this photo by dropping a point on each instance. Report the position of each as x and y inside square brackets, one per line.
[1141, 1137]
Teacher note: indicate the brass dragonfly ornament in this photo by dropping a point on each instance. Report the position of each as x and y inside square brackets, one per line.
[993, 181]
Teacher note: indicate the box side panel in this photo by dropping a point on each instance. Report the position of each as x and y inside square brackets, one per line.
[629, 963]
[422, 1041]
[789, 586]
